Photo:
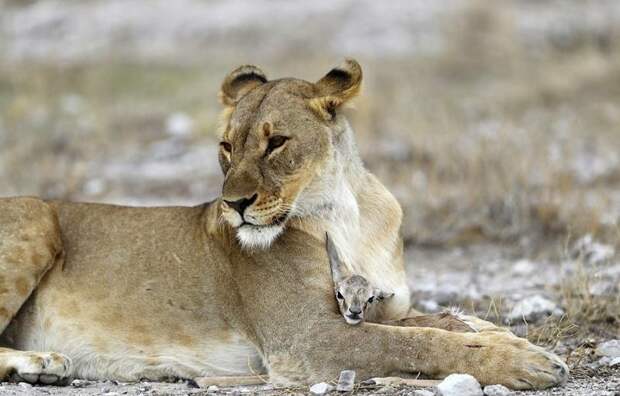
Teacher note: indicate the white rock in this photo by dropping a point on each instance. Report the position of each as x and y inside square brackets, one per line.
[321, 388]
[212, 389]
[604, 361]
[497, 390]
[615, 362]
[94, 186]
[459, 385]
[25, 385]
[423, 392]
[523, 267]
[593, 252]
[429, 306]
[80, 383]
[346, 381]
[179, 124]
[609, 348]
[534, 308]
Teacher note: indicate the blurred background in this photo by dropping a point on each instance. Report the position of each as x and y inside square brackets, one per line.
[495, 124]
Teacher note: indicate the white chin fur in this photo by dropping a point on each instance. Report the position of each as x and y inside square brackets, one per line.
[352, 321]
[259, 237]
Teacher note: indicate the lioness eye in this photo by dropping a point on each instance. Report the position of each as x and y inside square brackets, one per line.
[371, 299]
[275, 142]
[226, 146]
[339, 296]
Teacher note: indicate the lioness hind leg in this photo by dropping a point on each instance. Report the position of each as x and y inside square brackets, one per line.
[30, 244]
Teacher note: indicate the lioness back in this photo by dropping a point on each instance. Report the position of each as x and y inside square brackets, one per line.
[133, 289]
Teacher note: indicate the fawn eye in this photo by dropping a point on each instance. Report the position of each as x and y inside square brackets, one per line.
[276, 142]
[371, 299]
[339, 296]
[226, 146]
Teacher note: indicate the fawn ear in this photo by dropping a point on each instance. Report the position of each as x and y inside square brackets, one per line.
[382, 295]
[239, 82]
[335, 263]
[336, 88]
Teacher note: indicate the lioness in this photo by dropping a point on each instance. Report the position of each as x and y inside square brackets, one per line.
[127, 293]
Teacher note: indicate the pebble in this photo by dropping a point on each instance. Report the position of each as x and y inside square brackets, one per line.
[429, 306]
[179, 124]
[615, 362]
[497, 390]
[212, 389]
[459, 385]
[346, 381]
[609, 348]
[25, 385]
[533, 309]
[523, 267]
[80, 383]
[423, 392]
[321, 388]
[593, 252]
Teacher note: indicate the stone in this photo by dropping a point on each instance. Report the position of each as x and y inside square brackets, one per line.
[80, 383]
[459, 385]
[497, 390]
[423, 392]
[593, 252]
[24, 385]
[212, 389]
[429, 306]
[523, 267]
[321, 388]
[615, 362]
[533, 309]
[346, 381]
[609, 348]
[179, 124]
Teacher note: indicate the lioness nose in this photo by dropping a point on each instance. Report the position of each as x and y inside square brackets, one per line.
[241, 204]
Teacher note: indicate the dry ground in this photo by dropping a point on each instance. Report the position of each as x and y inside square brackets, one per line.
[496, 125]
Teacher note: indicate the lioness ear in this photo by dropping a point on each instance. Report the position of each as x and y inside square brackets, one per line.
[334, 260]
[381, 295]
[239, 82]
[337, 87]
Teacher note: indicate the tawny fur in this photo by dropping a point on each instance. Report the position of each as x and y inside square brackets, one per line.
[206, 291]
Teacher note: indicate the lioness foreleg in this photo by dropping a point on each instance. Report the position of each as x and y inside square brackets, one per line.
[374, 350]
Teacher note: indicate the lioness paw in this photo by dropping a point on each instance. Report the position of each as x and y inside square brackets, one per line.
[41, 367]
[539, 370]
[520, 364]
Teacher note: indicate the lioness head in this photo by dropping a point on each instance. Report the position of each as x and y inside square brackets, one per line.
[277, 146]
